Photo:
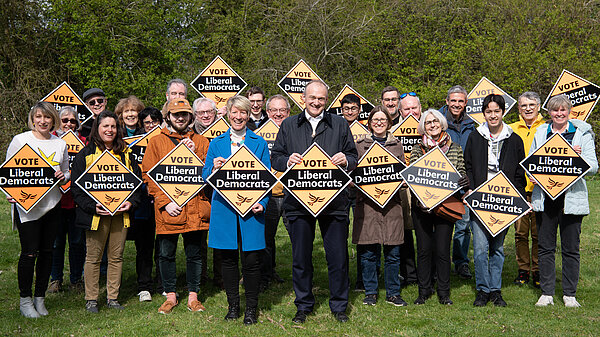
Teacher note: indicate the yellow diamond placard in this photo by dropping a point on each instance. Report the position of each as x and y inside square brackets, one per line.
[218, 81]
[269, 132]
[555, 165]
[243, 180]
[358, 130]
[74, 145]
[138, 144]
[179, 174]
[316, 181]
[217, 128]
[497, 203]
[432, 178]
[27, 177]
[108, 182]
[407, 133]
[475, 99]
[294, 82]
[377, 174]
[64, 95]
[365, 105]
[583, 94]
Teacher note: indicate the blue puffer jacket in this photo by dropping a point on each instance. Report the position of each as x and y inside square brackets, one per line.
[576, 196]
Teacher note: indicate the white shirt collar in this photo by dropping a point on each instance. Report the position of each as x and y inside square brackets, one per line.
[314, 121]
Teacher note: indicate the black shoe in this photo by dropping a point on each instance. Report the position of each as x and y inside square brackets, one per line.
[522, 278]
[496, 298]
[340, 316]
[464, 272]
[359, 286]
[250, 316]
[370, 299]
[536, 279]
[424, 295]
[481, 299]
[91, 306]
[396, 300]
[233, 312]
[300, 316]
[445, 300]
[114, 304]
[277, 278]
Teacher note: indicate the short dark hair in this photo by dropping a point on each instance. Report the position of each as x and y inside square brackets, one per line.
[151, 111]
[379, 108]
[498, 99]
[388, 89]
[119, 144]
[349, 99]
[255, 90]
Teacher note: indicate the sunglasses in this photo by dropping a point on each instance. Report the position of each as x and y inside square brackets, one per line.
[412, 93]
[96, 101]
[67, 120]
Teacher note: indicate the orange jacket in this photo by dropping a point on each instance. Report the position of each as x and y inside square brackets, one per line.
[196, 213]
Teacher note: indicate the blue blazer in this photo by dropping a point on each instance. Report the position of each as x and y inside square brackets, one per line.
[222, 233]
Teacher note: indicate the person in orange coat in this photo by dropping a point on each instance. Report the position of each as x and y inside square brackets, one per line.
[191, 220]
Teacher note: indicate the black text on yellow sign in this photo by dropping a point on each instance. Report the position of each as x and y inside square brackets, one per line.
[555, 166]
[108, 182]
[358, 131]
[432, 178]
[179, 174]
[26, 177]
[497, 203]
[218, 81]
[74, 145]
[377, 174]
[243, 180]
[583, 94]
[63, 95]
[216, 129]
[269, 132]
[475, 99]
[408, 135]
[315, 182]
[364, 108]
[294, 82]
[138, 144]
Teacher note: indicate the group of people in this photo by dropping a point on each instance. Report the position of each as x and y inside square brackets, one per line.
[154, 222]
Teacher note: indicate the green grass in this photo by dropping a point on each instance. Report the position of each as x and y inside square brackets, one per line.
[521, 317]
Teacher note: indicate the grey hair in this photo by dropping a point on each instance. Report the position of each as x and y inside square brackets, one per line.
[69, 109]
[437, 115]
[560, 101]
[201, 100]
[530, 95]
[457, 89]
[279, 96]
[176, 80]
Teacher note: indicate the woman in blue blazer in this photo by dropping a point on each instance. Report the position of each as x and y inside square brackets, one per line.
[226, 225]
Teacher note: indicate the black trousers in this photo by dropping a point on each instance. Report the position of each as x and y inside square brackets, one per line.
[434, 236]
[334, 230]
[408, 267]
[37, 239]
[143, 234]
[273, 213]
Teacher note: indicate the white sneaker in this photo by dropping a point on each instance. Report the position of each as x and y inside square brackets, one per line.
[545, 300]
[571, 302]
[145, 296]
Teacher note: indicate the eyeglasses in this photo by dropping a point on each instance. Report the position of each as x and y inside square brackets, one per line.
[152, 122]
[379, 120]
[412, 93]
[393, 99]
[282, 110]
[431, 122]
[96, 101]
[205, 112]
[67, 120]
[353, 109]
[256, 101]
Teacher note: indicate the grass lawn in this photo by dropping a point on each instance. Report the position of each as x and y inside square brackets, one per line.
[521, 317]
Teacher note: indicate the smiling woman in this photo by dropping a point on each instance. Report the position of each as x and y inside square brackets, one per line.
[127, 110]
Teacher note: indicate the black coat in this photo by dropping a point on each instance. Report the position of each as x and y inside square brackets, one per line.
[511, 154]
[295, 136]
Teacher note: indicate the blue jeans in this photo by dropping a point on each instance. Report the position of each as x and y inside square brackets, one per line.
[461, 240]
[76, 237]
[369, 256]
[488, 257]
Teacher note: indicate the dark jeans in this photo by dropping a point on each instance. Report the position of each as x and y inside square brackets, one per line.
[369, 258]
[334, 230]
[168, 250]
[408, 266]
[37, 238]
[434, 235]
[273, 212]
[231, 275]
[143, 234]
[76, 236]
[570, 228]
[216, 262]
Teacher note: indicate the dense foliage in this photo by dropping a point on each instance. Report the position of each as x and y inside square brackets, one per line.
[134, 47]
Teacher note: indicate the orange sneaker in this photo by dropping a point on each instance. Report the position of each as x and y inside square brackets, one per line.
[196, 306]
[167, 307]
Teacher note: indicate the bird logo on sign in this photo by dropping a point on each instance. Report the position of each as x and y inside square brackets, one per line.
[110, 200]
[429, 195]
[26, 196]
[494, 221]
[576, 114]
[179, 193]
[380, 192]
[219, 99]
[242, 200]
[314, 199]
[553, 183]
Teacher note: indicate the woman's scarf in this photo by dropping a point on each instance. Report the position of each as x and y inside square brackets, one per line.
[443, 141]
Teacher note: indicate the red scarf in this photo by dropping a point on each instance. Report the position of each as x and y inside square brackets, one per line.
[443, 142]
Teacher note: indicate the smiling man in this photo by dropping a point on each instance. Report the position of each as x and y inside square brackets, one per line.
[257, 115]
[332, 133]
[205, 112]
[95, 100]
[390, 98]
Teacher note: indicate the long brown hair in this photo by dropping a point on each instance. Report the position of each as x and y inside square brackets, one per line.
[119, 144]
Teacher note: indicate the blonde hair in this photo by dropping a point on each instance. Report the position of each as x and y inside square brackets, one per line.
[47, 109]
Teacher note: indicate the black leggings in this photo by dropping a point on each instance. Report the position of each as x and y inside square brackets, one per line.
[37, 239]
